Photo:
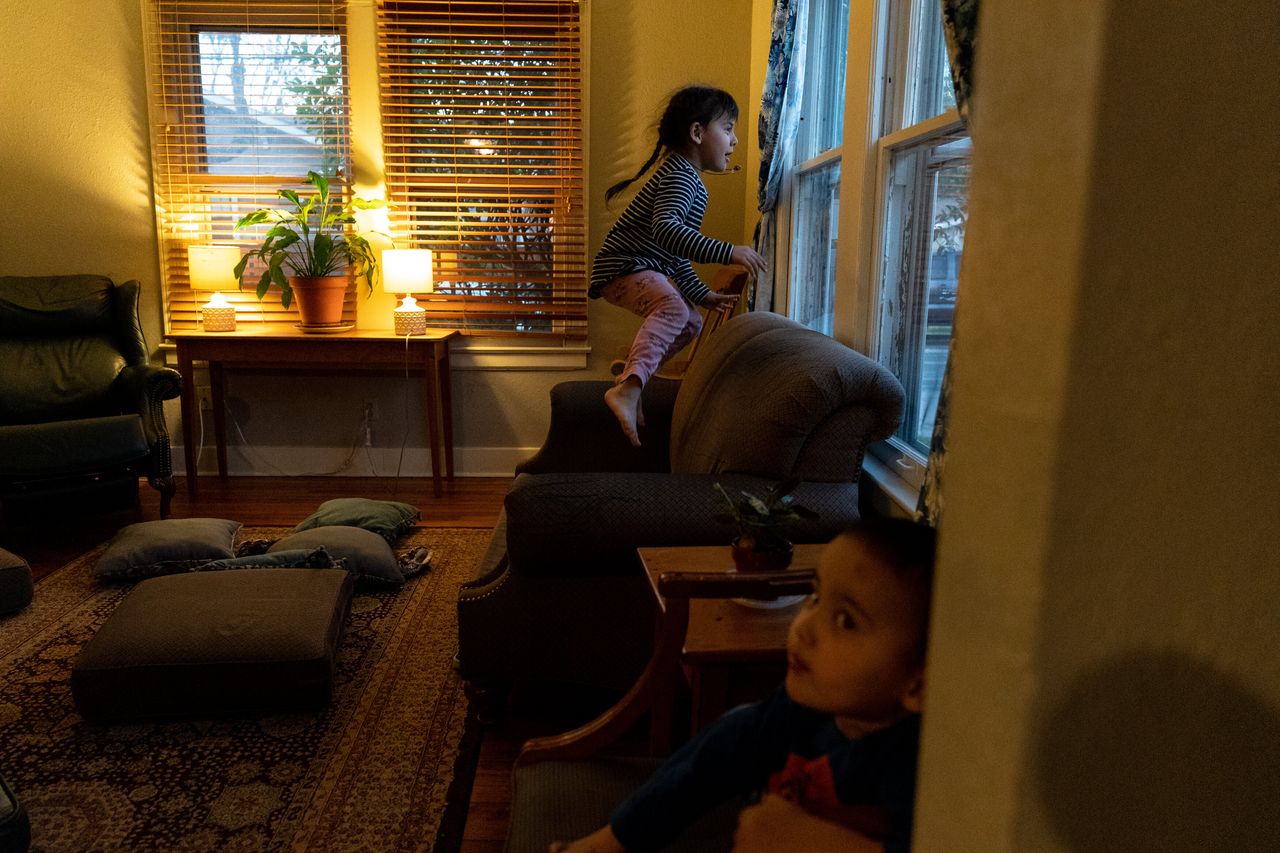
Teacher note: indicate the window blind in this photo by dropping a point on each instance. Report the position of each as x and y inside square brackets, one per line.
[246, 97]
[482, 140]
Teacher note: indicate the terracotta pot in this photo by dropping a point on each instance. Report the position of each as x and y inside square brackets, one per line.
[751, 560]
[319, 298]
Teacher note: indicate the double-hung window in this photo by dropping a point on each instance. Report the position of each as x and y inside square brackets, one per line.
[245, 98]
[921, 203]
[812, 191]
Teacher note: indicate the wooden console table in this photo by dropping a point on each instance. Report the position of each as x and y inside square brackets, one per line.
[284, 346]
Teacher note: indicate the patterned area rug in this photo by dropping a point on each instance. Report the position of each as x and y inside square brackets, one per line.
[374, 771]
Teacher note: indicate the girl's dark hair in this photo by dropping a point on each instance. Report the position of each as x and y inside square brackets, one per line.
[701, 104]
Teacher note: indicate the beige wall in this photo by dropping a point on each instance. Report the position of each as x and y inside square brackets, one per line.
[1104, 672]
[75, 196]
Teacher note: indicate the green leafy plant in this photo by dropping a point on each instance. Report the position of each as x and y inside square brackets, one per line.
[758, 518]
[309, 240]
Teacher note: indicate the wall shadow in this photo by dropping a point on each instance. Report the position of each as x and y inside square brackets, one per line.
[1159, 751]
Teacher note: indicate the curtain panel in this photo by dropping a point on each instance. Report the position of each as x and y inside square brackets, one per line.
[777, 129]
[960, 24]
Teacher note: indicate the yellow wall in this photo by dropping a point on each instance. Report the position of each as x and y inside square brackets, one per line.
[75, 180]
[75, 197]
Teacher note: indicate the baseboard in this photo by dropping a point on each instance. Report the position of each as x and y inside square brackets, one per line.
[257, 461]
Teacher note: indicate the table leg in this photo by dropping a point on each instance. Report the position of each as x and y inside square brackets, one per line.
[217, 389]
[446, 405]
[189, 412]
[431, 403]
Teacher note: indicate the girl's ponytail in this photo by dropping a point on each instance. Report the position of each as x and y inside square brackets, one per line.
[622, 185]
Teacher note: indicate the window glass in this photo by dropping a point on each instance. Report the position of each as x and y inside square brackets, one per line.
[822, 111]
[923, 237]
[272, 102]
[817, 212]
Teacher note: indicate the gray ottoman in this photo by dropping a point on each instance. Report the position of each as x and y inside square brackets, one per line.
[15, 583]
[211, 643]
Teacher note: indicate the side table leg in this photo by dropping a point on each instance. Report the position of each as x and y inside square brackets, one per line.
[431, 402]
[217, 388]
[189, 410]
[444, 372]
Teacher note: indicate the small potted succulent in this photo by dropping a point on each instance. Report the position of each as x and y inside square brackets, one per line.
[309, 251]
[759, 546]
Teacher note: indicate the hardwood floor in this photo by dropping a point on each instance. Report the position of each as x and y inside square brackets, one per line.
[467, 502]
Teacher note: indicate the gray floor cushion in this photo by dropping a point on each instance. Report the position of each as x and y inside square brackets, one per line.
[15, 583]
[216, 643]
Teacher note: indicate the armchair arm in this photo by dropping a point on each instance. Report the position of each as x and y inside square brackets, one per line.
[585, 436]
[584, 524]
[143, 388]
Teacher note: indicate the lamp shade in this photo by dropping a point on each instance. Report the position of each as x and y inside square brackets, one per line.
[407, 271]
[212, 267]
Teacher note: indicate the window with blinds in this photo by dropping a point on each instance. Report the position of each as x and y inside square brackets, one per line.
[246, 98]
[482, 140]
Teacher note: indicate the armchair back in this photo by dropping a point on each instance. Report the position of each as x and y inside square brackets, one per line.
[769, 397]
[64, 341]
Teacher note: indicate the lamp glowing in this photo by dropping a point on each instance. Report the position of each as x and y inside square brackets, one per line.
[408, 271]
[213, 268]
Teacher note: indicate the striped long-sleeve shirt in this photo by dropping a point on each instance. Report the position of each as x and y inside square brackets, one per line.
[659, 231]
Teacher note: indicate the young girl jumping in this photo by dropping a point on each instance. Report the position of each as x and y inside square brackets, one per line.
[644, 265]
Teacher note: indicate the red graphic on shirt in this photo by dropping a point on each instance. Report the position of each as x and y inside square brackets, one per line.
[811, 785]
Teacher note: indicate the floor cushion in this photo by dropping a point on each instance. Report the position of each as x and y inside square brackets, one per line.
[16, 587]
[213, 643]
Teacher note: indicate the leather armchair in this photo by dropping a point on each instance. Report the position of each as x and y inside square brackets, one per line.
[561, 596]
[81, 407]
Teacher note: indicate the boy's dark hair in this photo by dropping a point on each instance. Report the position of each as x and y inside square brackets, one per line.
[907, 549]
[701, 104]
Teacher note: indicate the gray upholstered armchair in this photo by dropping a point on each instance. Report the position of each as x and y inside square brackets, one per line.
[561, 595]
[80, 406]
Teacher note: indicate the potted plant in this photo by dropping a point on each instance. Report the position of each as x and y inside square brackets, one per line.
[310, 252]
[759, 546]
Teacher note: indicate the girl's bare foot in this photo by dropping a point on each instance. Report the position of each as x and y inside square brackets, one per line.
[623, 400]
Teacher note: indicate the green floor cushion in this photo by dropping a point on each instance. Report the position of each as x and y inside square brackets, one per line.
[367, 555]
[210, 643]
[388, 519]
[151, 548]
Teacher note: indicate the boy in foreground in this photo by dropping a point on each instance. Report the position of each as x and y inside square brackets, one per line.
[835, 750]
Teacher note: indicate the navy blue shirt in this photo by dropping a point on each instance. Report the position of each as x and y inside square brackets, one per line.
[786, 749]
[659, 231]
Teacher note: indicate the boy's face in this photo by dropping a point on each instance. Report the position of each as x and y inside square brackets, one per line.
[853, 650]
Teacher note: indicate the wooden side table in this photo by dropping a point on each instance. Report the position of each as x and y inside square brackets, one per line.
[694, 627]
[724, 640]
[277, 345]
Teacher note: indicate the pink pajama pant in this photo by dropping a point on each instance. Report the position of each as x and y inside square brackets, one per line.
[670, 321]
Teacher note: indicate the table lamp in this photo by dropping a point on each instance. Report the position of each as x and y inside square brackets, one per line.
[408, 271]
[213, 268]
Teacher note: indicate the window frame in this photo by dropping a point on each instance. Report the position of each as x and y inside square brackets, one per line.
[874, 115]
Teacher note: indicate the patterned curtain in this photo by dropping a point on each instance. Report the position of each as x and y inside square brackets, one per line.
[960, 22]
[779, 124]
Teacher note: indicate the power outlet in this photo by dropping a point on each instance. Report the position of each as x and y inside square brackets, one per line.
[205, 397]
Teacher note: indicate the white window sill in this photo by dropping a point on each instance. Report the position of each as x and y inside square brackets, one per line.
[903, 494]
